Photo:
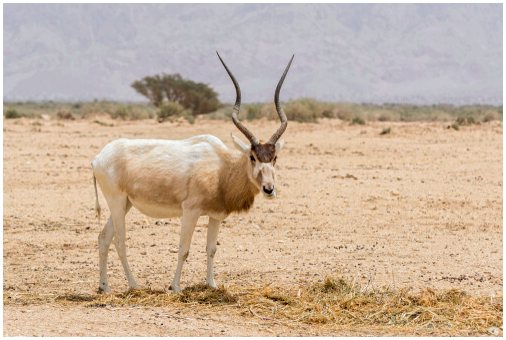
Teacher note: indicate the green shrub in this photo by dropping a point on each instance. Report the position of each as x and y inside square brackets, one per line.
[170, 110]
[463, 121]
[141, 114]
[198, 98]
[385, 117]
[357, 121]
[344, 114]
[269, 111]
[253, 111]
[460, 121]
[12, 113]
[490, 116]
[303, 110]
[122, 112]
[328, 114]
[65, 115]
[186, 114]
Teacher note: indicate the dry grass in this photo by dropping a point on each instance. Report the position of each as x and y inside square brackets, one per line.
[332, 304]
[301, 110]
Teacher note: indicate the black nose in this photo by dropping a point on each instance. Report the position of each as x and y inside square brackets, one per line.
[268, 191]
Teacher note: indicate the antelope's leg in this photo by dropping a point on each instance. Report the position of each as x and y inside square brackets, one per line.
[212, 238]
[119, 208]
[188, 222]
[104, 241]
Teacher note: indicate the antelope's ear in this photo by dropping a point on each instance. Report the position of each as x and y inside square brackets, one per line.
[279, 145]
[240, 145]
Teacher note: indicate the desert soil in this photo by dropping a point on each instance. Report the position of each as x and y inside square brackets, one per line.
[418, 207]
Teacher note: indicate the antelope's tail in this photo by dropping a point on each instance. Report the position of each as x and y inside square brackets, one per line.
[97, 204]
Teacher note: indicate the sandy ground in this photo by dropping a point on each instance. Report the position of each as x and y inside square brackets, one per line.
[419, 207]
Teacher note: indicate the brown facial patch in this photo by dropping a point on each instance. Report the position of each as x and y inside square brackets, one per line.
[264, 152]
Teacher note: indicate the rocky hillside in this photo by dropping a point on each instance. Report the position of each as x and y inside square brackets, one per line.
[374, 53]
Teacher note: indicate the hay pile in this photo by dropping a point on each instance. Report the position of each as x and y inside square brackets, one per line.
[331, 304]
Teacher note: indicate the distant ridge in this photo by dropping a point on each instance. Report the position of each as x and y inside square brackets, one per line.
[429, 53]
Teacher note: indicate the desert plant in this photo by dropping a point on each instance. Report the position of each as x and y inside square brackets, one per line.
[358, 121]
[12, 113]
[199, 98]
[169, 110]
[253, 111]
[489, 116]
[461, 121]
[385, 117]
[121, 112]
[385, 131]
[328, 114]
[304, 110]
[65, 115]
[471, 121]
[186, 114]
[268, 111]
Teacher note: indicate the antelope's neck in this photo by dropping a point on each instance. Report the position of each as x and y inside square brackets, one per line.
[238, 192]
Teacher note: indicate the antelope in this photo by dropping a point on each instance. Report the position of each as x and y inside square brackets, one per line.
[189, 178]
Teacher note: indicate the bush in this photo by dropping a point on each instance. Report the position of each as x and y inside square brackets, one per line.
[303, 110]
[12, 113]
[328, 114]
[65, 115]
[169, 110]
[186, 114]
[198, 98]
[471, 121]
[269, 111]
[344, 114]
[490, 116]
[121, 112]
[385, 117]
[385, 131]
[253, 111]
[460, 121]
[357, 121]
[463, 121]
[130, 113]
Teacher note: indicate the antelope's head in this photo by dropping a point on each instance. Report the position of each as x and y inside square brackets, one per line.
[262, 156]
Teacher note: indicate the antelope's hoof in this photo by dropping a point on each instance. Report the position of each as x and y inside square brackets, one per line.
[103, 290]
[174, 288]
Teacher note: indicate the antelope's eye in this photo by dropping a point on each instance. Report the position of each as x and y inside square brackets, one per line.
[252, 158]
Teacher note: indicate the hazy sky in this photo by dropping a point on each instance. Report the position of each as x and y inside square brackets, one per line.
[422, 53]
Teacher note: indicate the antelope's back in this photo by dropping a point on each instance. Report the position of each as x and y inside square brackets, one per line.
[157, 172]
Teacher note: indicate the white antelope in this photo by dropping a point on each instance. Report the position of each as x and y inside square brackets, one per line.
[193, 177]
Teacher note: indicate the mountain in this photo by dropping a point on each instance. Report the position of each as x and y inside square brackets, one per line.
[416, 53]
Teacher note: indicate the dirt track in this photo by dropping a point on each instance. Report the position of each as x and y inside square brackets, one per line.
[419, 207]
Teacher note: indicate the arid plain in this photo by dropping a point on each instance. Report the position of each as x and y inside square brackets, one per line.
[419, 207]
